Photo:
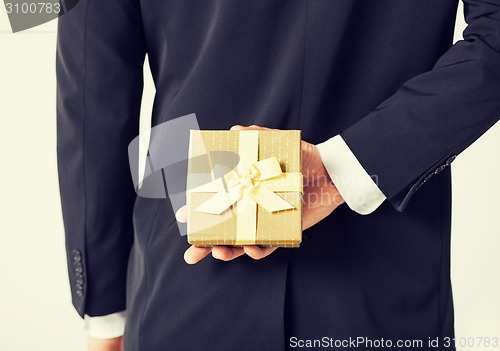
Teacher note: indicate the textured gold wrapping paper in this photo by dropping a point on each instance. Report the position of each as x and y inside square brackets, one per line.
[207, 150]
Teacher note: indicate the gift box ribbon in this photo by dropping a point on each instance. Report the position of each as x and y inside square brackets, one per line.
[252, 182]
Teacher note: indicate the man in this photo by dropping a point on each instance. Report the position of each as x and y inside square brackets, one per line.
[377, 86]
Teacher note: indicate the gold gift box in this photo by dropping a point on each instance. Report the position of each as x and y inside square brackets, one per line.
[245, 188]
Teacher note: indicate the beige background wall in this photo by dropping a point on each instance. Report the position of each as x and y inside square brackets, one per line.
[35, 307]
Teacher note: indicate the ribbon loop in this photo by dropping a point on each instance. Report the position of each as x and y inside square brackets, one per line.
[251, 182]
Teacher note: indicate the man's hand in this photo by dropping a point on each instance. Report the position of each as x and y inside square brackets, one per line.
[320, 199]
[115, 344]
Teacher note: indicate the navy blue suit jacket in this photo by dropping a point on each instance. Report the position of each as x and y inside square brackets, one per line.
[384, 74]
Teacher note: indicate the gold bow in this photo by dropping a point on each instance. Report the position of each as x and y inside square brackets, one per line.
[258, 182]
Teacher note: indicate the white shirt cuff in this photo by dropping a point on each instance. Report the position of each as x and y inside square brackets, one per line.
[105, 327]
[357, 187]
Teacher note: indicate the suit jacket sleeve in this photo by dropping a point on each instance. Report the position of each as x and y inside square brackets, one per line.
[100, 57]
[418, 131]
